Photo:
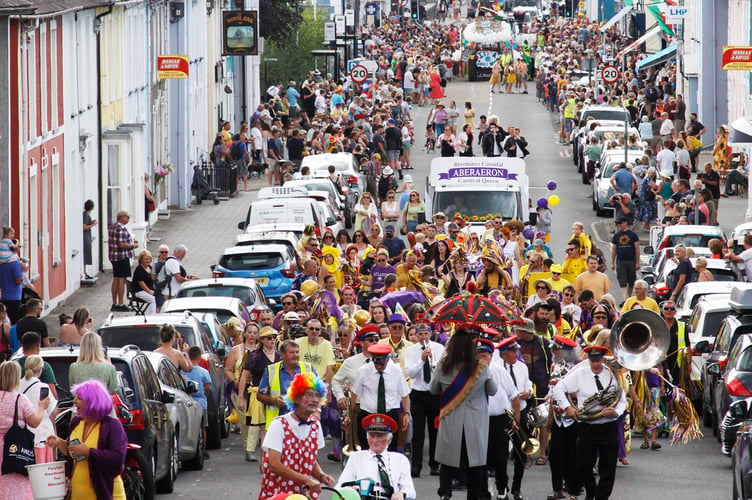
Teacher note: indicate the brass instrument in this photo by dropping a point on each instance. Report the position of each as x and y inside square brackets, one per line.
[529, 446]
[639, 339]
[349, 422]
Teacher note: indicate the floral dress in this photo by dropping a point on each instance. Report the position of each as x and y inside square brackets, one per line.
[13, 486]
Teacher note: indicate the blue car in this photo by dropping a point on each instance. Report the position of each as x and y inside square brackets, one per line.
[273, 266]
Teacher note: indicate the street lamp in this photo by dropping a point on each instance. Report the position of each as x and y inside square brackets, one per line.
[266, 71]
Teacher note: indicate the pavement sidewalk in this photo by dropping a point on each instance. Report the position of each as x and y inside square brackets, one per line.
[205, 229]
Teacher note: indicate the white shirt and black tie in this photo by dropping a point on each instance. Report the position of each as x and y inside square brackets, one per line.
[366, 386]
[417, 369]
[584, 383]
[519, 374]
[395, 470]
[500, 402]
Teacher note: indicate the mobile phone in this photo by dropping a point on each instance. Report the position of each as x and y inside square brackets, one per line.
[77, 458]
[43, 393]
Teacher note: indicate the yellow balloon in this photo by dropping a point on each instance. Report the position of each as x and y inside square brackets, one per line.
[553, 200]
[308, 287]
[297, 496]
[362, 317]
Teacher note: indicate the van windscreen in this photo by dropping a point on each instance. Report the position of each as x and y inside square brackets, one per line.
[477, 203]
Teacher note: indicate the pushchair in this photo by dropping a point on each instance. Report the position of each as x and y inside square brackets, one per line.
[202, 187]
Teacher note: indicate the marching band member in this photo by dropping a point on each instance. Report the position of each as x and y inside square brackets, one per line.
[420, 359]
[562, 450]
[387, 468]
[381, 387]
[596, 439]
[507, 397]
[518, 373]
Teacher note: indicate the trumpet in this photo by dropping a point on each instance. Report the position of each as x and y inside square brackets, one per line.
[431, 360]
[529, 446]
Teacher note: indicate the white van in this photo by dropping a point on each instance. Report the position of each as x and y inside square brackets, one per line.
[476, 187]
[294, 209]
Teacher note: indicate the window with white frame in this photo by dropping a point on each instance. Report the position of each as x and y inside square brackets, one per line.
[33, 223]
[57, 209]
[53, 76]
[31, 86]
[43, 81]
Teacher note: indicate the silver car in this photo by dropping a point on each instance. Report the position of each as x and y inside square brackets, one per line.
[602, 190]
[185, 412]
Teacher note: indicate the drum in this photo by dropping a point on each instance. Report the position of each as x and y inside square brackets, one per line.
[537, 415]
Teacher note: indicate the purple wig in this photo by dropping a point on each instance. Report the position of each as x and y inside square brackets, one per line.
[96, 398]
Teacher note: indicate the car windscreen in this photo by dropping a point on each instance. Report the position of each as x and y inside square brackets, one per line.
[145, 337]
[698, 296]
[712, 323]
[476, 203]
[689, 240]
[339, 166]
[247, 261]
[321, 186]
[239, 292]
[602, 114]
[719, 275]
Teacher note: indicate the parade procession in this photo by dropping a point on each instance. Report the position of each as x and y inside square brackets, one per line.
[450, 248]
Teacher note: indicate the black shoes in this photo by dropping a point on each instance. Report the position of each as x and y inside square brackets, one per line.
[435, 470]
[119, 308]
[414, 473]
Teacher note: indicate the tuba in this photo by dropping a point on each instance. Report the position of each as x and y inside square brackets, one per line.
[639, 339]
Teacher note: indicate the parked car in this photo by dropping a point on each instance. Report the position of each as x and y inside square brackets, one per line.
[150, 425]
[736, 241]
[722, 269]
[223, 308]
[272, 266]
[345, 164]
[292, 209]
[602, 190]
[652, 265]
[245, 289]
[213, 328]
[741, 455]
[737, 323]
[185, 413]
[343, 201]
[143, 331]
[334, 218]
[733, 382]
[688, 235]
[706, 318]
[691, 294]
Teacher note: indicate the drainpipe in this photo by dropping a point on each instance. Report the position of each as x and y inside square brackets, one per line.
[100, 176]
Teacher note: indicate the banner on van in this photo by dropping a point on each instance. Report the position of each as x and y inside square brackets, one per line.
[457, 173]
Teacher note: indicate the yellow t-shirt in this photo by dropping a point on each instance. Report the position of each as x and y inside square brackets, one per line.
[403, 278]
[81, 488]
[646, 303]
[574, 266]
[319, 356]
[558, 285]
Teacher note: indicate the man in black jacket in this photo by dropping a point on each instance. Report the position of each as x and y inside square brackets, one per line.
[515, 145]
[493, 140]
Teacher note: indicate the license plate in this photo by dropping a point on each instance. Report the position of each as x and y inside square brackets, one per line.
[262, 281]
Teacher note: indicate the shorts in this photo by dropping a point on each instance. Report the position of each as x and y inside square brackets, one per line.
[121, 268]
[273, 165]
[625, 272]
[406, 145]
[392, 154]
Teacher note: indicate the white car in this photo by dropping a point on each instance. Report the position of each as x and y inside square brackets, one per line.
[693, 292]
[345, 164]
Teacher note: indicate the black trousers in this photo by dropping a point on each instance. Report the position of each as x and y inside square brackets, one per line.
[597, 442]
[424, 408]
[363, 439]
[477, 479]
[562, 457]
[498, 453]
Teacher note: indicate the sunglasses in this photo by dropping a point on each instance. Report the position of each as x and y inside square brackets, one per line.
[390, 197]
[287, 303]
[568, 295]
[328, 237]
[314, 329]
[541, 288]
[669, 309]
[163, 251]
[602, 316]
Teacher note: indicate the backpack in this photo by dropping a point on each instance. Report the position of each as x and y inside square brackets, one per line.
[598, 253]
[166, 279]
[236, 151]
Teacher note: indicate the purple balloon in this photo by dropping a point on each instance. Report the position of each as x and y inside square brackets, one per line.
[528, 233]
[542, 203]
[551, 185]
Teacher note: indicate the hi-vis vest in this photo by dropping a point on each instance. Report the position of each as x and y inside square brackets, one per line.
[272, 372]
[681, 341]
[569, 108]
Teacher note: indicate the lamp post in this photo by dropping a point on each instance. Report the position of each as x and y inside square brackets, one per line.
[266, 71]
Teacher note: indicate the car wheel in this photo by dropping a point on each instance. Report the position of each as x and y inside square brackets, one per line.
[197, 462]
[714, 419]
[167, 483]
[600, 212]
[214, 433]
[138, 477]
[707, 417]
[225, 425]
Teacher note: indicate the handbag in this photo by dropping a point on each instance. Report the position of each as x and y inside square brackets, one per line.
[18, 448]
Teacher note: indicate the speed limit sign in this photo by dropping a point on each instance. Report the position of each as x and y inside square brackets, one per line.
[403, 3]
[359, 73]
[610, 74]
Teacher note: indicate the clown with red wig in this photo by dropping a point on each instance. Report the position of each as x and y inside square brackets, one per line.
[289, 463]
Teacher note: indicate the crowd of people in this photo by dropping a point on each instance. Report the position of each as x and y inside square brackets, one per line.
[355, 354]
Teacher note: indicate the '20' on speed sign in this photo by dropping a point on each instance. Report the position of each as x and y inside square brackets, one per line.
[610, 74]
[359, 73]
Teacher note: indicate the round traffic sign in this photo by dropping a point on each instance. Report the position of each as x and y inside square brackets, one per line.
[610, 74]
[359, 73]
